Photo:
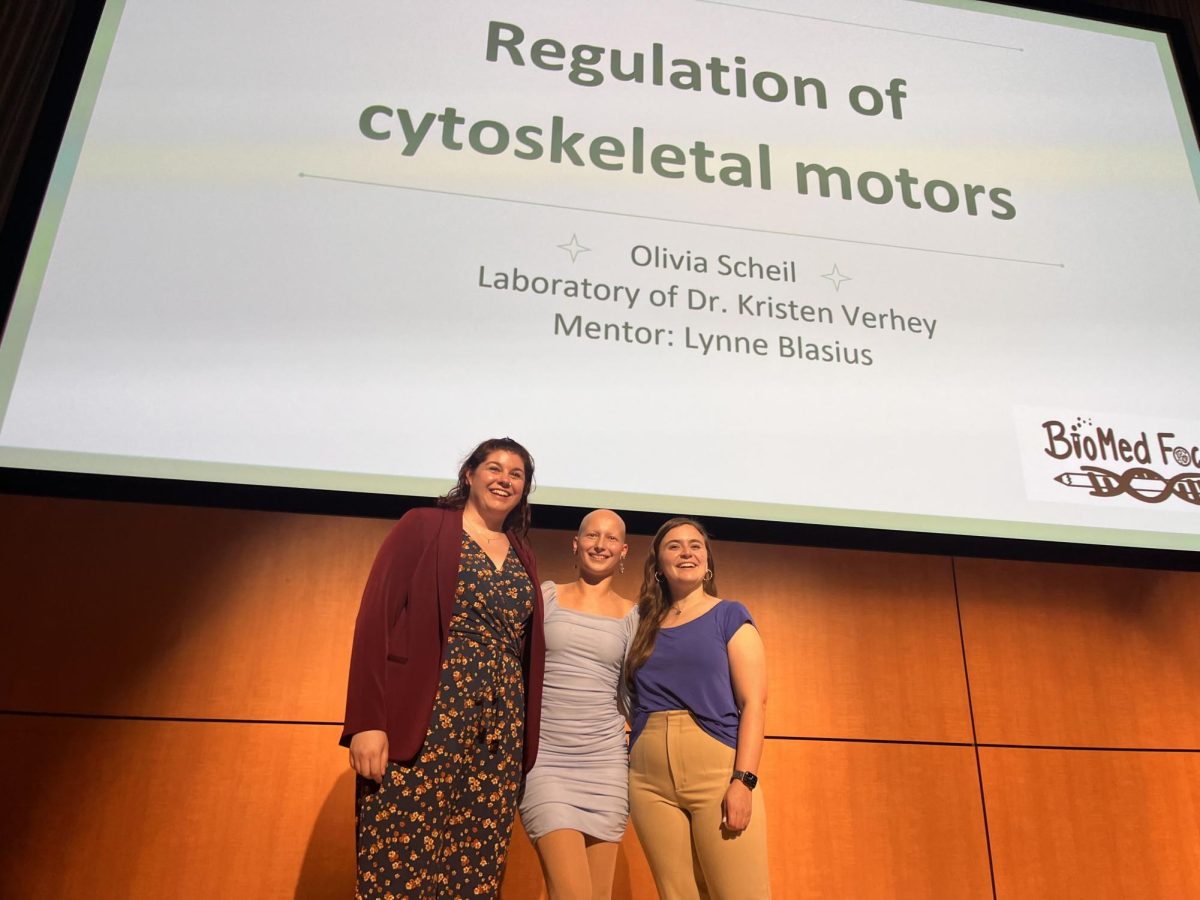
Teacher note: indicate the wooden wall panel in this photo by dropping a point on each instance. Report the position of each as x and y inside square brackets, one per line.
[1099, 825]
[135, 610]
[198, 810]
[874, 822]
[1082, 656]
[97, 808]
[862, 645]
[132, 609]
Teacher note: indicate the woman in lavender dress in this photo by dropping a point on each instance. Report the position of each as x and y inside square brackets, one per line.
[575, 802]
[697, 672]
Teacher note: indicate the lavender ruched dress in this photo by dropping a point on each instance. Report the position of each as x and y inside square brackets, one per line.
[581, 778]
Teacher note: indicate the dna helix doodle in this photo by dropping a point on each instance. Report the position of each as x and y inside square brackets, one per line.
[1141, 484]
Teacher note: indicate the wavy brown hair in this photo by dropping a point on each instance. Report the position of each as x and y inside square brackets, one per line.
[654, 600]
[456, 498]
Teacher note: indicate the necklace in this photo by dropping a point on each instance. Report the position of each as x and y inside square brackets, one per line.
[677, 606]
[488, 534]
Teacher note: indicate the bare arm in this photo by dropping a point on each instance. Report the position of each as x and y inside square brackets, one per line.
[748, 670]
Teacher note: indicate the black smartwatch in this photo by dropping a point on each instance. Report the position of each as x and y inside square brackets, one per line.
[749, 779]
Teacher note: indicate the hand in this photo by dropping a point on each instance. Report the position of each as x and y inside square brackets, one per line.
[369, 754]
[736, 806]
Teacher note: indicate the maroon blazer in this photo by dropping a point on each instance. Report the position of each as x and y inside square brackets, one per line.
[403, 627]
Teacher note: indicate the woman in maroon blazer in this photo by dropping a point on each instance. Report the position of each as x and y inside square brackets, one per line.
[445, 686]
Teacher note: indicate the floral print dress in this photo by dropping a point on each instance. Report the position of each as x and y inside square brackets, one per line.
[440, 828]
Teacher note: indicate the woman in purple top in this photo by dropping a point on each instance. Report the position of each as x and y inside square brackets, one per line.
[697, 673]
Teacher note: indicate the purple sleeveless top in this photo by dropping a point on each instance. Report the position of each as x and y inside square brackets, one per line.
[689, 669]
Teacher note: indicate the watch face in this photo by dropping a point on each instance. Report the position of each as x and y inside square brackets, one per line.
[749, 779]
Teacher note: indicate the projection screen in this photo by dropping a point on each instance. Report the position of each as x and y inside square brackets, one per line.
[922, 266]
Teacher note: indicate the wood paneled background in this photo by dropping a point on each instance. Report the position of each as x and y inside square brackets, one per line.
[172, 680]
[171, 686]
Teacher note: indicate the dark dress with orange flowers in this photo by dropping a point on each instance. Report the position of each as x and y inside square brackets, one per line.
[440, 827]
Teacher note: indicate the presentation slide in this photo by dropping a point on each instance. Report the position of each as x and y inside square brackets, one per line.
[927, 266]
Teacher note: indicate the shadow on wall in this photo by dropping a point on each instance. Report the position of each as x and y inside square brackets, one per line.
[328, 869]
[100, 594]
[97, 595]
[622, 882]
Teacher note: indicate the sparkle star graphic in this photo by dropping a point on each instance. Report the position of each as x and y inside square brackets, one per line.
[837, 278]
[574, 247]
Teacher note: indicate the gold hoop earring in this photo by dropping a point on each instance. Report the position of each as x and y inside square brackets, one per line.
[708, 574]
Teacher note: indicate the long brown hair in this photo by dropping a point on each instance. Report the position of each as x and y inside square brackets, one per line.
[456, 498]
[654, 601]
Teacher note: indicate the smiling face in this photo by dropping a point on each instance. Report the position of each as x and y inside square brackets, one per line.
[600, 545]
[683, 559]
[497, 485]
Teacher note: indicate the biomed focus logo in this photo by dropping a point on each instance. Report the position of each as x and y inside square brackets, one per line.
[1153, 467]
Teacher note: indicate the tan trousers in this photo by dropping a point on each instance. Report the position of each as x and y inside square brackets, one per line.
[678, 775]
